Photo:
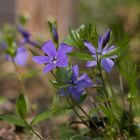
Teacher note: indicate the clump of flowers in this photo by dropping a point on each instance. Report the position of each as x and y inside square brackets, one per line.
[106, 118]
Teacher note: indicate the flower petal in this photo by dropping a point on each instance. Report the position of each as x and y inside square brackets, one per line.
[63, 49]
[106, 37]
[90, 47]
[76, 94]
[91, 63]
[103, 40]
[75, 72]
[49, 67]
[49, 48]
[107, 64]
[62, 61]
[41, 59]
[114, 56]
[109, 49]
[100, 43]
[21, 56]
[83, 82]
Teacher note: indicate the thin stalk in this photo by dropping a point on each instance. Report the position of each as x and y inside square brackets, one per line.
[110, 85]
[98, 112]
[90, 119]
[107, 104]
[53, 75]
[122, 91]
[80, 117]
[30, 128]
[19, 78]
[24, 91]
[77, 114]
[130, 115]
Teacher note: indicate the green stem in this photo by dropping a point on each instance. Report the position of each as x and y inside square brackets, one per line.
[19, 78]
[110, 85]
[90, 119]
[30, 128]
[24, 91]
[98, 112]
[107, 104]
[77, 113]
[53, 74]
[122, 91]
[130, 115]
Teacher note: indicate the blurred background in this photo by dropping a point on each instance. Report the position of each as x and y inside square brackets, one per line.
[122, 16]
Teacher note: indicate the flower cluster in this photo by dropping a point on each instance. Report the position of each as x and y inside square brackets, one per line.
[58, 58]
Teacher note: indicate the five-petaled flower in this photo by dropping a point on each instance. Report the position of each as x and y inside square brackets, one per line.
[53, 58]
[98, 53]
[76, 85]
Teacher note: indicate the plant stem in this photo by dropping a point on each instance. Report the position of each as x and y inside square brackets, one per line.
[110, 85]
[122, 91]
[19, 78]
[98, 112]
[30, 128]
[24, 91]
[107, 104]
[90, 119]
[77, 113]
[53, 74]
[130, 115]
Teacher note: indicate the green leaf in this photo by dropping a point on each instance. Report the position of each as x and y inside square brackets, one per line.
[82, 56]
[22, 106]
[84, 32]
[13, 119]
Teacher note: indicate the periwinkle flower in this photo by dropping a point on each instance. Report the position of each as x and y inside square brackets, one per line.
[76, 85]
[21, 56]
[53, 58]
[103, 48]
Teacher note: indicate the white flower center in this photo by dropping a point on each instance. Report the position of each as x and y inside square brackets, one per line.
[54, 60]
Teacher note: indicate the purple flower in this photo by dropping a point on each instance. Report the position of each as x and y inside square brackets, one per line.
[103, 48]
[20, 57]
[26, 37]
[52, 57]
[76, 85]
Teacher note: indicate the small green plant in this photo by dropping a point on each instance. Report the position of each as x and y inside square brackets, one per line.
[106, 118]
